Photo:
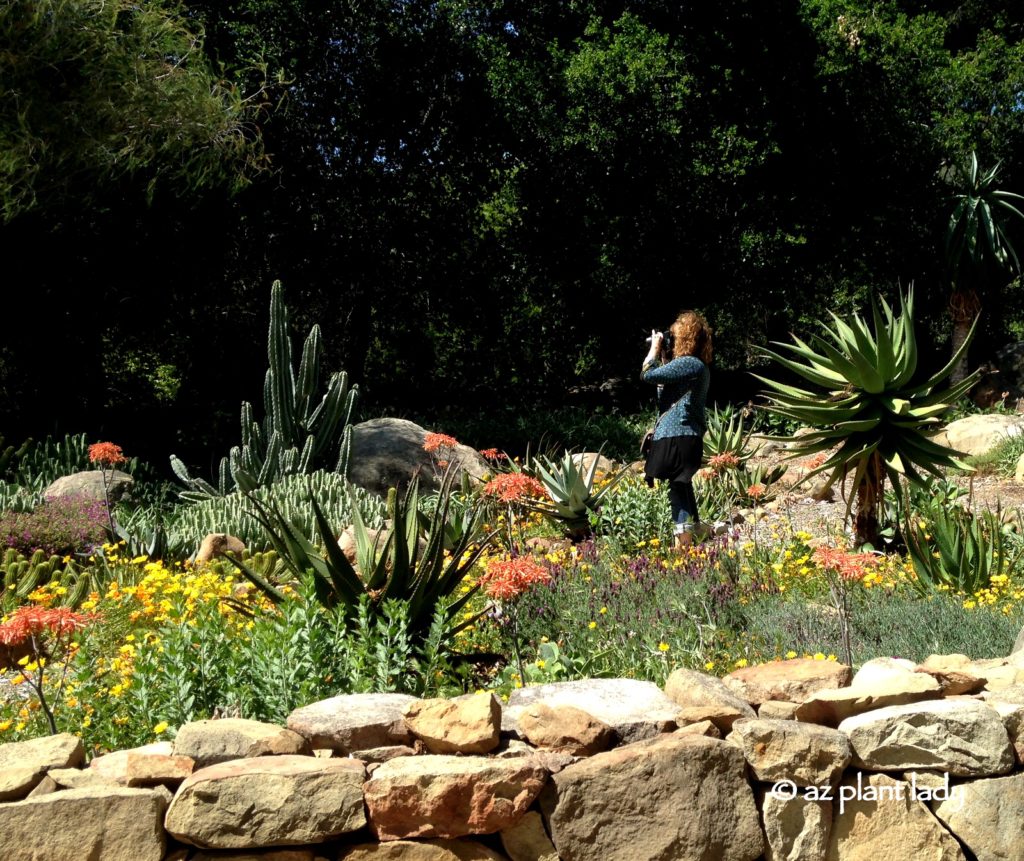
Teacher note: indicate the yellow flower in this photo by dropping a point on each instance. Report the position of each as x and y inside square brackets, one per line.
[5, 725]
[540, 663]
[603, 610]
[592, 625]
[818, 656]
[790, 654]
[663, 647]
[742, 662]
[161, 727]
[710, 665]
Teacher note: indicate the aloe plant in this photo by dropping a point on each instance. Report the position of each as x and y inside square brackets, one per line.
[392, 565]
[570, 489]
[863, 400]
[725, 433]
[957, 549]
[298, 434]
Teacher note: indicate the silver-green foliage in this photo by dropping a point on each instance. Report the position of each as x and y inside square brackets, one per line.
[299, 433]
[634, 512]
[189, 523]
[570, 488]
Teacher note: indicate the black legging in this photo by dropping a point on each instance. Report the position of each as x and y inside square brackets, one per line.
[684, 505]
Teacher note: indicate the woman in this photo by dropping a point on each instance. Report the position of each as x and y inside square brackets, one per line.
[682, 378]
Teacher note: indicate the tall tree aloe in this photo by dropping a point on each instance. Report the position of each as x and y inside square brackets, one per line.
[864, 402]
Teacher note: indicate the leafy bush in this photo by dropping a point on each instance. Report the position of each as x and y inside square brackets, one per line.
[63, 525]
[633, 513]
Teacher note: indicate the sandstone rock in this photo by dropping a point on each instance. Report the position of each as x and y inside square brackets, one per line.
[883, 821]
[680, 797]
[703, 697]
[89, 485]
[793, 681]
[988, 816]
[354, 722]
[425, 850]
[635, 710]
[267, 855]
[702, 727]
[217, 544]
[1012, 716]
[268, 801]
[978, 434]
[585, 461]
[806, 754]
[378, 755]
[885, 689]
[24, 763]
[387, 452]
[95, 823]
[144, 766]
[964, 737]
[44, 787]
[450, 796]
[208, 742]
[564, 728]
[528, 841]
[79, 778]
[777, 710]
[952, 673]
[465, 725]
[796, 829]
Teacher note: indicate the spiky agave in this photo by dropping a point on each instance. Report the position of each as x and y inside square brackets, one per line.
[864, 402]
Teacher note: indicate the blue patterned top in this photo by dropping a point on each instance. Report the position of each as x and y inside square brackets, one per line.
[682, 394]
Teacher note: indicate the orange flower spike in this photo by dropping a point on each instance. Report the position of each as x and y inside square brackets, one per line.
[513, 487]
[434, 441]
[106, 454]
[506, 579]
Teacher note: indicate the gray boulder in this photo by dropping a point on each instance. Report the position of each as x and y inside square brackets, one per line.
[89, 485]
[388, 452]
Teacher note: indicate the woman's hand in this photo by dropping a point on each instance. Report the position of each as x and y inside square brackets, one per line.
[655, 351]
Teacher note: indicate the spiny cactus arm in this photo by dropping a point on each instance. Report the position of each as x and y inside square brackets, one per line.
[344, 452]
[309, 378]
[270, 468]
[281, 404]
[304, 461]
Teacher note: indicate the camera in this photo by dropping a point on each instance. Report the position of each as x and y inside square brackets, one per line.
[666, 343]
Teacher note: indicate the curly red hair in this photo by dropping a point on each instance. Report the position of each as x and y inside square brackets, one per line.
[691, 336]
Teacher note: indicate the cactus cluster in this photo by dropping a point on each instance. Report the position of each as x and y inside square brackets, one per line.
[299, 434]
[22, 575]
[289, 495]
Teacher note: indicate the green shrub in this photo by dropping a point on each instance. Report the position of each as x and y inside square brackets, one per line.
[633, 512]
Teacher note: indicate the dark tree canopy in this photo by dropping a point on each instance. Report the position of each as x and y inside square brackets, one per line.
[482, 204]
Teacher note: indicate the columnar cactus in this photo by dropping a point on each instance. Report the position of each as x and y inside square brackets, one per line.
[298, 434]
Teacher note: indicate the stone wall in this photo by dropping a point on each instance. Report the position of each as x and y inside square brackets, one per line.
[791, 760]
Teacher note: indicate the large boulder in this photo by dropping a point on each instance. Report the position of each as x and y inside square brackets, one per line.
[388, 452]
[24, 763]
[797, 828]
[684, 797]
[89, 485]
[98, 823]
[979, 434]
[148, 765]
[269, 801]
